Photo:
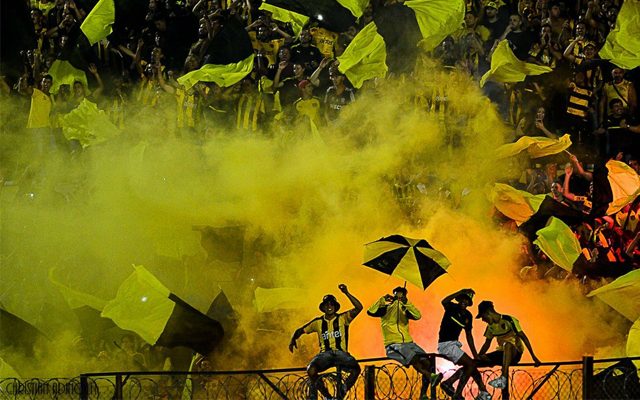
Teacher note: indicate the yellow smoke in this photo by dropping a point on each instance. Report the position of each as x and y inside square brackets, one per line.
[308, 207]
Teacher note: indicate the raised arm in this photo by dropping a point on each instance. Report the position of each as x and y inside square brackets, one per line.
[94, 70]
[379, 308]
[568, 171]
[568, 52]
[452, 296]
[357, 305]
[314, 78]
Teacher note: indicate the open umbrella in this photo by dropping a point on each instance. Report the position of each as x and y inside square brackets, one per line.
[413, 260]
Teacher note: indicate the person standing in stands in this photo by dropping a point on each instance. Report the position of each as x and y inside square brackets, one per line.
[332, 329]
[39, 122]
[395, 311]
[511, 343]
[456, 318]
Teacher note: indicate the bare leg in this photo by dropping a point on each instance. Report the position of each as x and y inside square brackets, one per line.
[509, 351]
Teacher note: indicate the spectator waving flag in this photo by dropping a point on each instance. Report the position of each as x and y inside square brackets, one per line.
[625, 185]
[558, 242]
[64, 73]
[145, 306]
[229, 60]
[297, 21]
[98, 24]
[623, 295]
[507, 68]
[437, 19]
[515, 204]
[428, 22]
[331, 14]
[365, 57]
[622, 46]
[406, 25]
[536, 146]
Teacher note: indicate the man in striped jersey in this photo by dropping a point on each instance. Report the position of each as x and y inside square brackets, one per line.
[332, 329]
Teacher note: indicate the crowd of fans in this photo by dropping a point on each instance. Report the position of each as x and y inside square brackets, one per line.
[295, 78]
[587, 97]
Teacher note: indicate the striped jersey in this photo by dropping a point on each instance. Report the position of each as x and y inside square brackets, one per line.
[333, 334]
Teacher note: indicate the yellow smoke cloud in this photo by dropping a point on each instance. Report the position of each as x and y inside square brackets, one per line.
[396, 162]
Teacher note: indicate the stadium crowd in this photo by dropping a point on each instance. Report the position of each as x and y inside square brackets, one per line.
[295, 78]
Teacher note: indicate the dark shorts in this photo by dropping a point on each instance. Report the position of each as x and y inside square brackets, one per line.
[333, 358]
[495, 358]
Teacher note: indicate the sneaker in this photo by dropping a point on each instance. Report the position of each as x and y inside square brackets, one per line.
[447, 388]
[483, 396]
[435, 379]
[499, 383]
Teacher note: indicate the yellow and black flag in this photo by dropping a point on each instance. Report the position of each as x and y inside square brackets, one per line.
[145, 306]
[413, 260]
[229, 59]
[330, 14]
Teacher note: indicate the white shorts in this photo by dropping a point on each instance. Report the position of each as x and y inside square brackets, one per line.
[404, 352]
[451, 350]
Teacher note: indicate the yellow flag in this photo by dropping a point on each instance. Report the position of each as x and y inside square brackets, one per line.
[623, 295]
[536, 146]
[625, 185]
[97, 25]
[365, 57]
[63, 73]
[622, 46]
[515, 204]
[355, 6]
[7, 371]
[506, 67]
[223, 75]
[142, 305]
[88, 125]
[297, 21]
[76, 298]
[268, 300]
[437, 19]
[633, 342]
[558, 242]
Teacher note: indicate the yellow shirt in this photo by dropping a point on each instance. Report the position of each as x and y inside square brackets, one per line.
[395, 319]
[269, 49]
[622, 93]
[41, 105]
[505, 331]
[187, 110]
[324, 40]
[308, 108]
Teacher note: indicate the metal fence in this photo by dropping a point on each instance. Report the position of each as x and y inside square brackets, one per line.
[380, 379]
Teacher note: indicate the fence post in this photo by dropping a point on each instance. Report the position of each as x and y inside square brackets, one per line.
[117, 395]
[587, 377]
[369, 382]
[84, 387]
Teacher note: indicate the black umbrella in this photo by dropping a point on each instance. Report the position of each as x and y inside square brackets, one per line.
[413, 260]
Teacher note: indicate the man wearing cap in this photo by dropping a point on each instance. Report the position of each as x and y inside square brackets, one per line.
[456, 318]
[395, 312]
[511, 341]
[333, 335]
